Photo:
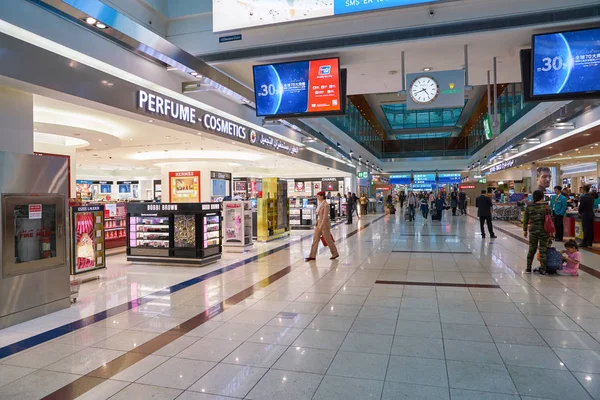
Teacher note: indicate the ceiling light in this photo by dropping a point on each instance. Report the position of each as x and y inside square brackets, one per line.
[558, 119]
[193, 73]
[91, 20]
[151, 120]
[199, 133]
[427, 69]
[168, 137]
[99, 140]
[100, 25]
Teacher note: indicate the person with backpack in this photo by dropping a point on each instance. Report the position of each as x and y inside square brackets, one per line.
[533, 226]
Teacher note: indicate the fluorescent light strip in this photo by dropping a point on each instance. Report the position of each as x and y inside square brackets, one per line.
[549, 142]
[64, 51]
[325, 154]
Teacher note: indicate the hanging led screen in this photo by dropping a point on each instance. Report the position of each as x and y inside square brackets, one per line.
[566, 64]
[303, 88]
[238, 14]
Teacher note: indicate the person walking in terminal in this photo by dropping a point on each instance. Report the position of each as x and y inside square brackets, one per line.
[363, 204]
[559, 208]
[586, 211]
[484, 211]
[453, 202]
[462, 202]
[439, 205]
[533, 224]
[412, 205]
[402, 198]
[424, 206]
[323, 229]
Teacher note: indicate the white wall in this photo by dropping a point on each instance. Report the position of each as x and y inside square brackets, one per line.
[16, 121]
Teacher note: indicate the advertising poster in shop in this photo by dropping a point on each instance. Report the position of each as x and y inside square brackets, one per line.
[297, 87]
[544, 178]
[233, 222]
[88, 239]
[184, 186]
[238, 14]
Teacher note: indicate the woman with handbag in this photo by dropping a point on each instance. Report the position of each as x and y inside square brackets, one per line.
[536, 223]
[322, 230]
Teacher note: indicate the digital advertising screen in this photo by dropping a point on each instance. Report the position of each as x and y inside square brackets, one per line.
[298, 88]
[566, 63]
[238, 14]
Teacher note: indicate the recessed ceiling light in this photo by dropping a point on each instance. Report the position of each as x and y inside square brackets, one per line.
[99, 140]
[199, 133]
[91, 20]
[100, 25]
[193, 73]
[130, 138]
[427, 69]
[151, 120]
[168, 137]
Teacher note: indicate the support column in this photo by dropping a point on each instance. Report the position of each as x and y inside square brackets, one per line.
[16, 114]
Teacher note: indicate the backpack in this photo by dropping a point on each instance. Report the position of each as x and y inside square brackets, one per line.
[553, 260]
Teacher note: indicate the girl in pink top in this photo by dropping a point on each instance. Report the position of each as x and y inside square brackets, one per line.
[572, 257]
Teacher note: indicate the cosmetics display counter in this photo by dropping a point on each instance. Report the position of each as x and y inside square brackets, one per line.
[182, 233]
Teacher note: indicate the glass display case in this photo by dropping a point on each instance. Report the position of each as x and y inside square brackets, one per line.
[115, 225]
[174, 233]
[237, 223]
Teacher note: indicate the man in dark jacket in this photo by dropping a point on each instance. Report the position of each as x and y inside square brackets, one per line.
[586, 211]
[462, 202]
[484, 212]
[349, 207]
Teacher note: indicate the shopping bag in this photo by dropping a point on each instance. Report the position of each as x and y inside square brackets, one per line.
[325, 242]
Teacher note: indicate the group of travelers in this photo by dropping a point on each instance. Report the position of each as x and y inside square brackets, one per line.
[433, 204]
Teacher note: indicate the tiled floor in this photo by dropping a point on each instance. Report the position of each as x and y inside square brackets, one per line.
[327, 330]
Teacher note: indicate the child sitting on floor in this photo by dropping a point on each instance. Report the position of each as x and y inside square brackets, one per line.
[572, 258]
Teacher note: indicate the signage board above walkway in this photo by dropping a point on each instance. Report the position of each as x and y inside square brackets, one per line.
[238, 14]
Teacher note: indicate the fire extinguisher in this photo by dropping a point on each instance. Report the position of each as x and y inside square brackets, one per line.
[46, 243]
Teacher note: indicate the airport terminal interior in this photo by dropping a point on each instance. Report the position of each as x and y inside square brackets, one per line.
[300, 199]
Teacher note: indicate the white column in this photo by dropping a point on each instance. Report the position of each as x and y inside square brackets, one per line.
[16, 116]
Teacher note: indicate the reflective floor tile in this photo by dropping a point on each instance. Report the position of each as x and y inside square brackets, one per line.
[340, 324]
[177, 373]
[376, 326]
[359, 365]
[285, 385]
[303, 359]
[229, 380]
[105, 390]
[480, 377]
[320, 339]
[457, 394]
[590, 382]
[419, 329]
[507, 320]
[234, 331]
[176, 346]
[204, 329]
[140, 368]
[299, 321]
[85, 361]
[570, 339]
[479, 352]
[525, 336]
[126, 340]
[10, 373]
[378, 312]
[208, 349]
[89, 335]
[281, 335]
[36, 385]
[459, 317]
[420, 371]
[340, 310]
[189, 395]
[367, 343]
[43, 355]
[530, 356]
[418, 347]
[304, 308]
[393, 302]
[551, 384]
[335, 387]
[580, 360]
[255, 355]
[466, 332]
[404, 391]
[136, 391]
[553, 322]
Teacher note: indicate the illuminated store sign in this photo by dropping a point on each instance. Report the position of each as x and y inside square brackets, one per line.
[220, 125]
[166, 107]
[502, 166]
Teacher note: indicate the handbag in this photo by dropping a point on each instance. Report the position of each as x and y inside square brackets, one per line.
[549, 223]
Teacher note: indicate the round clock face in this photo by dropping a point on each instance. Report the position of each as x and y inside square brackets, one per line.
[424, 90]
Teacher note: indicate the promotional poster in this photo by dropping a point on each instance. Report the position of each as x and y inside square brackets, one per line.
[297, 88]
[567, 62]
